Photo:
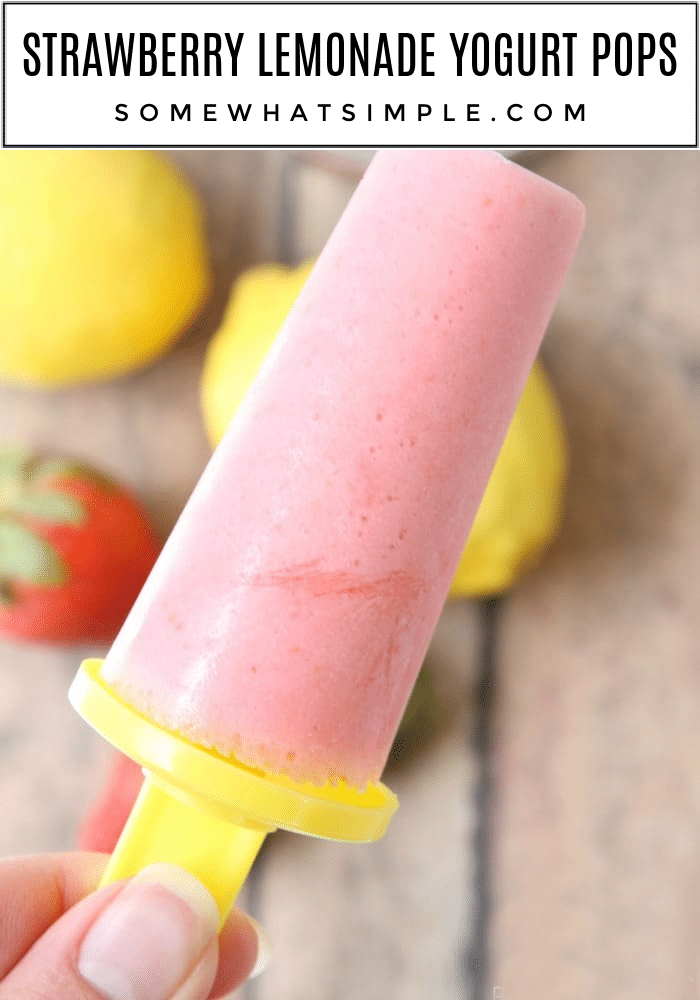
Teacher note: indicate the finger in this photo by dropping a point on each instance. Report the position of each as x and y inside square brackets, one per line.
[102, 826]
[244, 952]
[153, 938]
[35, 891]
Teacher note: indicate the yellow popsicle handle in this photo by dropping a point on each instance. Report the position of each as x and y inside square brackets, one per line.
[161, 827]
[207, 813]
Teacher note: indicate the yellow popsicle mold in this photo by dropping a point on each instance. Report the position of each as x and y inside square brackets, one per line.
[209, 813]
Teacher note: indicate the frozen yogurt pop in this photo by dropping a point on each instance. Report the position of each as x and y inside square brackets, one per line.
[282, 629]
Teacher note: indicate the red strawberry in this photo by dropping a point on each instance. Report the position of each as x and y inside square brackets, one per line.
[75, 549]
[101, 828]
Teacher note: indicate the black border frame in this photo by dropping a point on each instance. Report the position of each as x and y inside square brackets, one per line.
[344, 3]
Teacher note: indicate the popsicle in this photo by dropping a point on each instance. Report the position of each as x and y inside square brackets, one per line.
[280, 633]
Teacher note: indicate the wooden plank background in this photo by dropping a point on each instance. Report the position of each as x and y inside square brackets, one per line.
[596, 829]
[546, 841]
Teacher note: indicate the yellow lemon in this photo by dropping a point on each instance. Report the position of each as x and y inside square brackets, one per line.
[521, 509]
[259, 303]
[103, 263]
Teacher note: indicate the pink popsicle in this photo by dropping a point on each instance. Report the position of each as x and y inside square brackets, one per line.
[291, 608]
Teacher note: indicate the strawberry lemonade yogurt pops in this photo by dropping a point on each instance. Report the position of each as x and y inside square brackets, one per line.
[280, 633]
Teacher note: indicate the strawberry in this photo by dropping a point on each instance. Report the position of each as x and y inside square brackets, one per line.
[101, 828]
[75, 549]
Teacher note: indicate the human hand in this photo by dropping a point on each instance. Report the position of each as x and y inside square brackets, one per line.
[152, 938]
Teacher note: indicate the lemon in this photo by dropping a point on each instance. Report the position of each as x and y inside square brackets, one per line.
[257, 308]
[104, 262]
[521, 509]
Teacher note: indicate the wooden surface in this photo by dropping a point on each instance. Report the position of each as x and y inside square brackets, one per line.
[546, 844]
[597, 727]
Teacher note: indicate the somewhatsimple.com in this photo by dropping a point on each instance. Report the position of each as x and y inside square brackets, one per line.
[324, 112]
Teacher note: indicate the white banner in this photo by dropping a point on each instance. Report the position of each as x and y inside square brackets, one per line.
[350, 75]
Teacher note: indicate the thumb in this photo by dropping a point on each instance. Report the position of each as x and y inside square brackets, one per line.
[153, 938]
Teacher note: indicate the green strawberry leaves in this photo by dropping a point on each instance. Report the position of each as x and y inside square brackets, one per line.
[26, 557]
[29, 489]
[13, 462]
[48, 468]
[58, 508]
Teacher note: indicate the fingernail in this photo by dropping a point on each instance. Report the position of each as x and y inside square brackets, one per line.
[262, 959]
[151, 937]
[264, 950]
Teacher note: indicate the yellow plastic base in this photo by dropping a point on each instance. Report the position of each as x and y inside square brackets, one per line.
[209, 813]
